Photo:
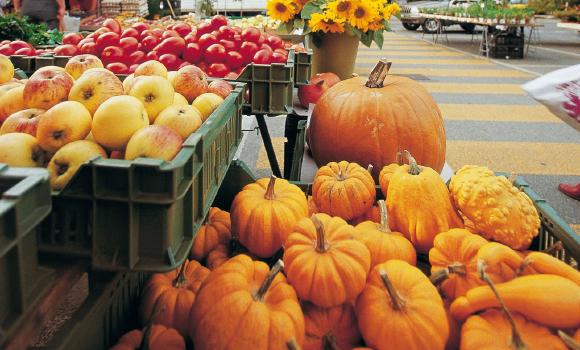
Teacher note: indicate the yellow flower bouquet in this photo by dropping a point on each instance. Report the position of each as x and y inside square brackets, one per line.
[367, 19]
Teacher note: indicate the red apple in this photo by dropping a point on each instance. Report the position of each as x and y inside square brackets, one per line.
[89, 48]
[228, 45]
[106, 40]
[6, 50]
[170, 61]
[275, 42]
[47, 87]
[24, 121]
[19, 44]
[112, 54]
[26, 51]
[220, 87]
[130, 33]
[319, 83]
[152, 56]
[170, 34]
[146, 33]
[118, 68]
[129, 45]
[218, 21]
[248, 50]
[140, 27]
[113, 25]
[234, 59]
[133, 68]
[72, 38]
[84, 41]
[66, 50]
[137, 57]
[172, 45]
[262, 57]
[279, 58]
[215, 53]
[192, 53]
[182, 28]
[226, 33]
[206, 40]
[204, 28]
[158, 32]
[251, 34]
[149, 42]
[218, 70]
[190, 38]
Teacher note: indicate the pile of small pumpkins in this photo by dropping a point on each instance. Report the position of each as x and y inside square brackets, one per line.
[347, 276]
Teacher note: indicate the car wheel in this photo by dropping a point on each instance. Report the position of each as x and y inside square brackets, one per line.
[468, 27]
[431, 25]
[411, 26]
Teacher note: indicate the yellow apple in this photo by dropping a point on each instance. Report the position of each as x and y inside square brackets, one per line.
[46, 88]
[154, 141]
[77, 65]
[11, 102]
[21, 150]
[64, 123]
[183, 119]
[25, 121]
[207, 103]
[67, 161]
[4, 88]
[156, 94]
[95, 87]
[171, 76]
[6, 69]
[190, 81]
[179, 100]
[117, 119]
[151, 68]
[128, 82]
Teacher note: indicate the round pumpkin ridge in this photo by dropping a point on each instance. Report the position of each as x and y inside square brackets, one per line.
[330, 328]
[387, 172]
[215, 230]
[159, 338]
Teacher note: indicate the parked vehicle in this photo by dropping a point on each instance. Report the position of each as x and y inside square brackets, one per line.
[412, 20]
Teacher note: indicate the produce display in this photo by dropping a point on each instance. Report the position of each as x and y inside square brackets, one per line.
[14, 28]
[264, 23]
[63, 117]
[488, 11]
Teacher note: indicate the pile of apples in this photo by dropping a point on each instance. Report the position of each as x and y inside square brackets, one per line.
[21, 48]
[63, 117]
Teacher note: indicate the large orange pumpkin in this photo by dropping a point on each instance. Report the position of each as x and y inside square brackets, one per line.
[369, 122]
[243, 305]
[169, 297]
[215, 230]
[160, 338]
[330, 328]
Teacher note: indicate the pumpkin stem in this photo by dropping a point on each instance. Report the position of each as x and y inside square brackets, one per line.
[329, 342]
[180, 280]
[321, 243]
[568, 340]
[414, 168]
[292, 345]
[556, 247]
[370, 169]
[397, 302]
[516, 341]
[441, 275]
[378, 74]
[270, 195]
[147, 330]
[277, 268]
[384, 225]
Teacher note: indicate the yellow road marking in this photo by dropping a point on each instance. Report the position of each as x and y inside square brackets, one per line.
[278, 144]
[520, 157]
[427, 61]
[436, 72]
[576, 227]
[468, 88]
[407, 53]
[506, 113]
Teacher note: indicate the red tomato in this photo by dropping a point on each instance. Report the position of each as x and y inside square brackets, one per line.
[234, 59]
[129, 45]
[137, 57]
[190, 38]
[89, 48]
[66, 50]
[262, 57]
[248, 50]
[149, 43]
[26, 51]
[130, 33]
[72, 38]
[106, 40]
[203, 28]
[118, 68]
[146, 33]
[152, 56]
[251, 34]
[266, 47]
[228, 45]
[133, 68]
[184, 64]
[84, 41]
[6, 50]
[206, 40]
[225, 33]
[192, 53]
[218, 20]
[279, 58]
[158, 32]
[275, 42]
[170, 61]
[182, 28]
[112, 54]
[19, 44]
[140, 27]
[113, 25]
[170, 33]
[218, 70]
[172, 45]
[215, 53]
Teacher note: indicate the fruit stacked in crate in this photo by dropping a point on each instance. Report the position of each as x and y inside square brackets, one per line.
[136, 8]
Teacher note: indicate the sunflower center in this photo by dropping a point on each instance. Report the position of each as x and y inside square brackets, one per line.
[359, 12]
[343, 6]
[330, 22]
[281, 7]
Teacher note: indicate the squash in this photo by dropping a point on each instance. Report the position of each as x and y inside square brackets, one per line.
[453, 260]
[218, 256]
[369, 122]
[399, 308]
[343, 189]
[312, 209]
[373, 214]
[387, 172]
[172, 294]
[245, 305]
[454, 329]
[500, 260]
[493, 207]
[264, 213]
[546, 264]
[330, 328]
[215, 230]
[159, 336]
[324, 262]
[419, 205]
[382, 243]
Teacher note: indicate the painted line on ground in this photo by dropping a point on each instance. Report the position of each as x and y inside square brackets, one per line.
[498, 112]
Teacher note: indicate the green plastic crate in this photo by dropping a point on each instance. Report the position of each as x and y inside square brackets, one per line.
[141, 215]
[303, 60]
[24, 203]
[24, 63]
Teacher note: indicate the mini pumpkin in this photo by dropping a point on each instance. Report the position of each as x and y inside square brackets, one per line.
[245, 305]
[387, 172]
[383, 244]
[264, 213]
[160, 338]
[343, 189]
[172, 294]
[419, 205]
[373, 214]
[400, 309]
[312, 209]
[493, 207]
[218, 256]
[330, 328]
[501, 262]
[215, 230]
[324, 262]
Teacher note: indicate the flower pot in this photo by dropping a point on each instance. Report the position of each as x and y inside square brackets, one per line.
[334, 53]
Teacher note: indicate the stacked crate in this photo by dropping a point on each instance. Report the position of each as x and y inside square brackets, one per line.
[137, 8]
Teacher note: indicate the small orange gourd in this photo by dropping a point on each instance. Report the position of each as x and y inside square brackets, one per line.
[159, 336]
[387, 172]
[330, 328]
[215, 230]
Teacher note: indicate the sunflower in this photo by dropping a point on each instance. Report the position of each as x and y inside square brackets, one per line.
[389, 10]
[283, 10]
[326, 23]
[340, 8]
[362, 14]
[376, 25]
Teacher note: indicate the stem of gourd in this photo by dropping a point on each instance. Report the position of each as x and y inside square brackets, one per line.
[292, 345]
[321, 244]
[269, 195]
[384, 225]
[396, 301]
[379, 74]
[441, 275]
[569, 341]
[516, 341]
[370, 169]
[556, 247]
[180, 280]
[414, 168]
[277, 268]
[329, 342]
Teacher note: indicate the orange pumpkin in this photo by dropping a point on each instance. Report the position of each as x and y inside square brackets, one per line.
[219, 255]
[264, 213]
[373, 214]
[324, 262]
[382, 243]
[343, 189]
[454, 329]
[215, 230]
[330, 328]
[160, 338]
[369, 122]
[244, 305]
[172, 294]
[387, 172]
[400, 309]
[312, 209]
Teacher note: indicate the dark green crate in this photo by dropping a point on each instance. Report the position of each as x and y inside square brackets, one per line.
[303, 60]
[141, 215]
[24, 203]
[24, 63]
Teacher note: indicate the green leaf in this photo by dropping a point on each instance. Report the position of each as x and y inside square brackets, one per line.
[309, 9]
[286, 27]
[378, 38]
[367, 38]
[299, 23]
[357, 32]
